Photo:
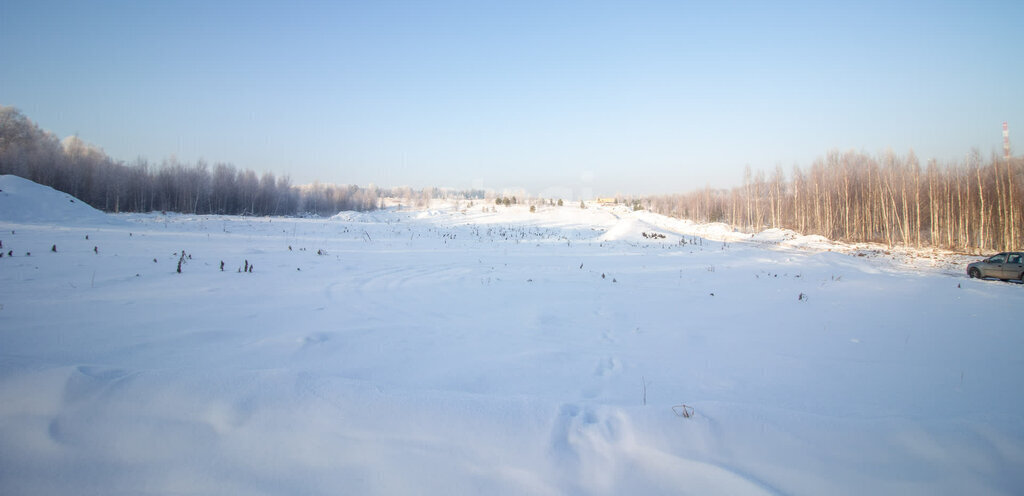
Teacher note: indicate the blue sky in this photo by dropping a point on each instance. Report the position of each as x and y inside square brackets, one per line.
[589, 97]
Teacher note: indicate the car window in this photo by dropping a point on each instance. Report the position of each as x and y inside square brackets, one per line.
[1000, 258]
[1014, 258]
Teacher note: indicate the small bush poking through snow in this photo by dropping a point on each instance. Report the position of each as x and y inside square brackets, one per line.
[683, 410]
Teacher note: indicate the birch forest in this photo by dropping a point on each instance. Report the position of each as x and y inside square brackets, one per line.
[971, 206]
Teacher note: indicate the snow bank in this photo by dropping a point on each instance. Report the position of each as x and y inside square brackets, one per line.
[25, 202]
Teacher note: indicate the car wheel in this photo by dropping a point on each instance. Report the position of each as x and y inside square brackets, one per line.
[974, 273]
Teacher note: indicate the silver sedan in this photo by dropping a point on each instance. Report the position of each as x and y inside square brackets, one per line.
[1005, 266]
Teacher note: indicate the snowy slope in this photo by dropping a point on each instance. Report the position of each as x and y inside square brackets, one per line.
[463, 349]
[23, 201]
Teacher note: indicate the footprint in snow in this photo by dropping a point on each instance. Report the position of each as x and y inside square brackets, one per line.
[587, 442]
[314, 339]
[608, 367]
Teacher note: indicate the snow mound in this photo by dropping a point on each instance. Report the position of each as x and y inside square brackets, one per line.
[715, 231]
[793, 239]
[775, 235]
[26, 202]
[814, 241]
[371, 217]
[630, 229]
[429, 214]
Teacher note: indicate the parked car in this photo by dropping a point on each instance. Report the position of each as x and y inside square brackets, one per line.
[1005, 266]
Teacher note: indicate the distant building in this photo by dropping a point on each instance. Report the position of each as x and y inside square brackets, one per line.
[607, 201]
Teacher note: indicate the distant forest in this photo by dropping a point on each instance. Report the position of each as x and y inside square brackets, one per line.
[967, 206]
[86, 172]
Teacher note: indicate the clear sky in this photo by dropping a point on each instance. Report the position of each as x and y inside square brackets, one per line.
[590, 97]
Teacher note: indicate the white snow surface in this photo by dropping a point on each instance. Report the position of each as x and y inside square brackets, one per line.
[23, 201]
[456, 350]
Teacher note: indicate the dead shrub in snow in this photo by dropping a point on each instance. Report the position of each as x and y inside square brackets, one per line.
[683, 410]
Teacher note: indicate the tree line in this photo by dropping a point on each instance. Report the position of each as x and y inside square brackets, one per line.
[86, 172]
[970, 205]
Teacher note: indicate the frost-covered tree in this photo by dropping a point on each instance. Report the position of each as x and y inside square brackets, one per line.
[85, 171]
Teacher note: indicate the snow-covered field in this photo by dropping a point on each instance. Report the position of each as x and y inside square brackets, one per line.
[463, 351]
